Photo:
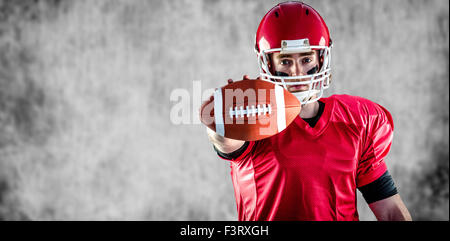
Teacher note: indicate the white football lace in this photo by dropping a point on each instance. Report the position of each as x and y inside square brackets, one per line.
[250, 111]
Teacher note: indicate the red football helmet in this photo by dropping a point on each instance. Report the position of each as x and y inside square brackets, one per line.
[294, 27]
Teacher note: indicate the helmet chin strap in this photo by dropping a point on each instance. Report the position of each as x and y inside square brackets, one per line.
[306, 97]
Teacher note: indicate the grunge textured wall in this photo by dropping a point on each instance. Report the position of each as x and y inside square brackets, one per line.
[85, 88]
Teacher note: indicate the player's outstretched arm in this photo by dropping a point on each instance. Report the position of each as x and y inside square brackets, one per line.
[223, 144]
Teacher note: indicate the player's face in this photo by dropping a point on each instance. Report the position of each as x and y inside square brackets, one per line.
[297, 64]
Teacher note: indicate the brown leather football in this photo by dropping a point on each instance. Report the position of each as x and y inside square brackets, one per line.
[250, 110]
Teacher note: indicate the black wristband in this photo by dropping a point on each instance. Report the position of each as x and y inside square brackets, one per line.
[233, 154]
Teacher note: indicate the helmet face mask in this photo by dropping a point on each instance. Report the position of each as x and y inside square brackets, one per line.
[316, 82]
[291, 28]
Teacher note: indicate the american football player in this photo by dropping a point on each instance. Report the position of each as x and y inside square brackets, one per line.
[313, 168]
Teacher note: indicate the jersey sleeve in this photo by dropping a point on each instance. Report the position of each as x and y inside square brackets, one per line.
[376, 145]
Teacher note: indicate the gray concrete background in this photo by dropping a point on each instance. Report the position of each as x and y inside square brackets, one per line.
[85, 132]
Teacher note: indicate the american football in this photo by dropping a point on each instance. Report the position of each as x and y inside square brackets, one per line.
[250, 110]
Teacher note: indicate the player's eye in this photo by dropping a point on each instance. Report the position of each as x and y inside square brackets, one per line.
[307, 60]
[286, 62]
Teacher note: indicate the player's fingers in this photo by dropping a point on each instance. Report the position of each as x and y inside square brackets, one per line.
[211, 98]
[230, 81]
[246, 77]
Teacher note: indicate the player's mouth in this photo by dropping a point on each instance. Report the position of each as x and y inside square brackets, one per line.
[298, 88]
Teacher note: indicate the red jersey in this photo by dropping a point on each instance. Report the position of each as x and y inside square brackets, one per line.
[306, 173]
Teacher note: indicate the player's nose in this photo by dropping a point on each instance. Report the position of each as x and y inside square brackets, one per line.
[297, 69]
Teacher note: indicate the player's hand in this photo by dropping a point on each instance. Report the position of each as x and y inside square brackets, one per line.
[245, 77]
[229, 81]
[224, 144]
